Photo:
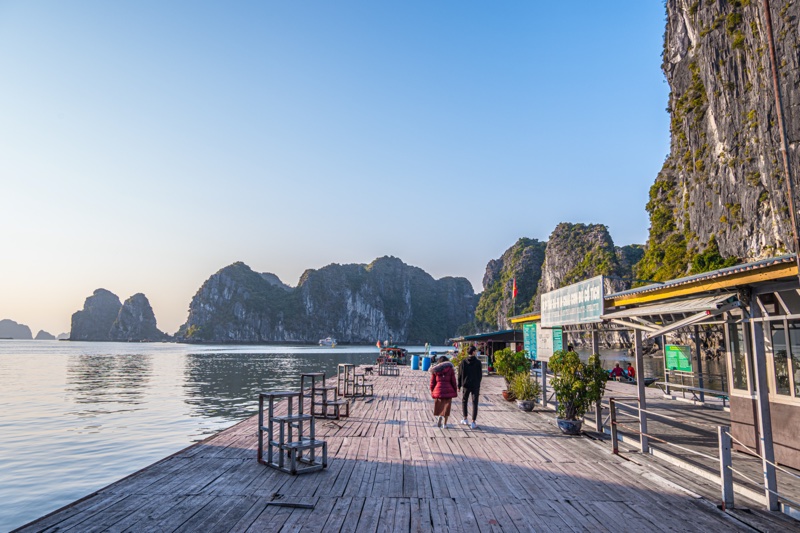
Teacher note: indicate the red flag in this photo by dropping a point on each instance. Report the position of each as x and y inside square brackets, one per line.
[514, 289]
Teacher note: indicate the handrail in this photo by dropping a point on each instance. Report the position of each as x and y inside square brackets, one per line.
[679, 420]
[756, 454]
[724, 459]
[614, 422]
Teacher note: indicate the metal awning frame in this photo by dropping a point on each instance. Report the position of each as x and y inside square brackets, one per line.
[643, 318]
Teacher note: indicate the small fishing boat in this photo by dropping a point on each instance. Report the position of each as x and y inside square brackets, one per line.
[632, 381]
[328, 341]
[393, 354]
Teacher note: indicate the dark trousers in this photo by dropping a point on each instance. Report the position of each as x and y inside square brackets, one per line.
[465, 394]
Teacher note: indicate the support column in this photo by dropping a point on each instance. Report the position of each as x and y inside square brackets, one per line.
[544, 383]
[645, 445]
[762, 403]
[698, 348]
[598, 408]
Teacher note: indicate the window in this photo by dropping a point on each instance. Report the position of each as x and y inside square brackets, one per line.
[794, 343]
[780, 359]
[738, 352]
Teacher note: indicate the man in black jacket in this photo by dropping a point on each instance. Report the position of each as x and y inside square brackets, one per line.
[470, 372]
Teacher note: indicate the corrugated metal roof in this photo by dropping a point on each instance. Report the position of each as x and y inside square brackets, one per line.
[690, 305]
[505, 332]
[714, 274]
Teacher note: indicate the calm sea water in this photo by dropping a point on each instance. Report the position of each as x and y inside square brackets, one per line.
[75, 417]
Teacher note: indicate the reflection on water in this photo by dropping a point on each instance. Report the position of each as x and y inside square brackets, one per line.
[226, 385]
[110, 409]
[100, 378]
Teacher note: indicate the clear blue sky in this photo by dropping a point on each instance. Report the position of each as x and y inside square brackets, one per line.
[145, 145]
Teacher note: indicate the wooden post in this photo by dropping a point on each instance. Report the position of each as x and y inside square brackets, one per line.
[612, 407]
[726, 475]
[762, 403]
[645, 445]
[699, 351]
[598, 408]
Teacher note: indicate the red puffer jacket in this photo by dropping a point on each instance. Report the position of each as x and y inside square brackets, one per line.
[443, 381]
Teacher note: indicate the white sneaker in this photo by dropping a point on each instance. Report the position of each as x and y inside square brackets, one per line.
[473, 425]
[446, 426]
[465, 422]
[438, 422]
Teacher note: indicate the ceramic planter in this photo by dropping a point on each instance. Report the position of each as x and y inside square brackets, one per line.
[526, 405]
[508, 395]
[569, 427]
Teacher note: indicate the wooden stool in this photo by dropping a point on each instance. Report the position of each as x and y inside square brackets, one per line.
[288, 444]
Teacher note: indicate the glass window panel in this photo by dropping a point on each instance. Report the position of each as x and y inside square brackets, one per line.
[780, 359]
[794, 343]
[738, 355]
[792, 301]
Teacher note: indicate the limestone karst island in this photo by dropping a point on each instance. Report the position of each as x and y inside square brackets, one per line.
[588, 385]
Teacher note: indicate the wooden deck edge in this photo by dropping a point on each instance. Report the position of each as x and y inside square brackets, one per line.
[120, 480]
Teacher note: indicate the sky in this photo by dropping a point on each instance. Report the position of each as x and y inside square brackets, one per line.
[144, 145]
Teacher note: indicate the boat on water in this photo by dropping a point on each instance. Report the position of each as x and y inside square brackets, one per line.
[328, 341]
[393, 354]
[632, 381]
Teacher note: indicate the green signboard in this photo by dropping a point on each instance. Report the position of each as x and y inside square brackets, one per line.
[557, 339]
[529, 339]
[579, 303]
[678, 358]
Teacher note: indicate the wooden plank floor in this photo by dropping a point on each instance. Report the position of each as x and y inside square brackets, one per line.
[390, 469]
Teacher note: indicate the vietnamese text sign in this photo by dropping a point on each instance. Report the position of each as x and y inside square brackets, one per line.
[579, 303]
[678, 357]
[529, 339]
[548, 340]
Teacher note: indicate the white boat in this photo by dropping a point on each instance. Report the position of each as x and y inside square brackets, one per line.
[328, 341]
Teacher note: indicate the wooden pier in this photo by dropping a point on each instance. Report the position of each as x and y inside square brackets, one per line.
[391, 469]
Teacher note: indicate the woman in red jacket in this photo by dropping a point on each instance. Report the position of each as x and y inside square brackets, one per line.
[443, 389]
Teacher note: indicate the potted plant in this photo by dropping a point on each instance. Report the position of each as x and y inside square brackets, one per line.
[577, 386]
[526, 390]
[509, 363]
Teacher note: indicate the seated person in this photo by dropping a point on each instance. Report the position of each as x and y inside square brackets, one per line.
[631, 371]
[616, 372]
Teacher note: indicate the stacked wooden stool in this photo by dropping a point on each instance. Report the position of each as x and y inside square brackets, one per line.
[296, 441]
[325, 400]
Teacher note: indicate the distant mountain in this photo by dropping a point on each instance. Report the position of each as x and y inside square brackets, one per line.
[523, 263]
[11, 330]
[573, 253]
[44, 336]
[104, 318]
[354, 303]
[62, 336]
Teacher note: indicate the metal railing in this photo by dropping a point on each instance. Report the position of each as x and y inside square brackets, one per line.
[617, 409]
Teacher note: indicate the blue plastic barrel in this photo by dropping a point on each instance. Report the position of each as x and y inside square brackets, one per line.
[414, 362]
[426, 363]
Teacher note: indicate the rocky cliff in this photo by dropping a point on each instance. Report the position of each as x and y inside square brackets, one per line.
[104, 318]
[355, 303]
[573, 253]
[11, 330]
[136, 321]
[720, 196]
[94, 321]
[523, 262]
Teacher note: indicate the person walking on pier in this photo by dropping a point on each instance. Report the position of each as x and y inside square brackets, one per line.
[470, 373]
[443, 389]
